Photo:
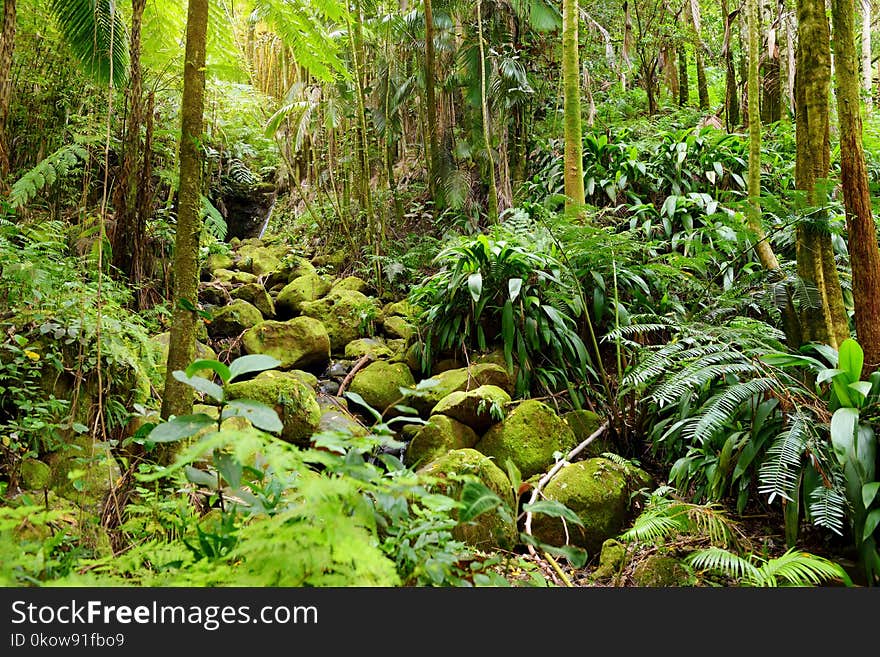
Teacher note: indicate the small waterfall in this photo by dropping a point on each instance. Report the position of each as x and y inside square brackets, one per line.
[268, 216]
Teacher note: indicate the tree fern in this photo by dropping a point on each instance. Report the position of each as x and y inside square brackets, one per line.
[96, 33]
[46, 173]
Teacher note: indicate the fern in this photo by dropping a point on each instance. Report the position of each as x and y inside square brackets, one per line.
[720, 410]
[780, 472]
[793, 568]
[45, 174]
[828, 508]
[213, 221]
[664, 517]
[95, 32]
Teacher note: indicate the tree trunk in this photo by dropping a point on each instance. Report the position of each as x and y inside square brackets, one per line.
[683, 91]
[864, 254]
[867, 71]
[484, 109]
[815, 257]
[574, 159]
[129, 232]
[431, 102]
[762, 246]
[178, 397]
[731, 94]
[702, 86]
[7, 46]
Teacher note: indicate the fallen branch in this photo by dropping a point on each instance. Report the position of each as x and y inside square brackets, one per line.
[556, 468]
[363, 362]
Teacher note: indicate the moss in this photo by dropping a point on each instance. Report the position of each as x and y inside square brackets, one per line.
[352, 283]
[303, 288]
[402, 309]
[232, 320]
[375, 347]
[203, 352]
[35, 475]
[297, 343]
[306, 377]
[583, 424]
[243, 278]
[488, 530]
[454, 380]
[611, 560]
[256, 295]
[475, 407]
[345, 313]
[292, 267]
[379, 383]
[260, 260]
[217, 261]
[528, 436]
[440, 435]
[661, 570]
[397, 327]
[292, 399]
[598, 491]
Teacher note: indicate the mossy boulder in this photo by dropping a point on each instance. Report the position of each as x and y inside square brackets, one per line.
[297, 343]
[375, 347]
[397, 327]
[402, 309]
[223, 275]
[232, 320]
[661, 570]
[474, 408]
[344, 313]
[292, 267]
[335, 260]
[243, 278]
[612, 559]
[352, 283]
[260, 260]
[308, 287]
[86, 482]
[215, 293]
[306, 377]
[293, 400]
[598, 492]
[379, 383]
[34, 474]
[584, 424]
[488, 530]
[216, 261]
[256, 295]
[529, 436]
[440, 435]
[203, 352]
[464, 378]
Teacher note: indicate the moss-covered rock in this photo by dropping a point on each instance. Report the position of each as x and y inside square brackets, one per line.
[306, 377]
[397, 327]
[34, 474]
[488, 530]
[258, 259]
[86, 481]
[352, 283]
[256, 295]
[598, 491]
[216, 261]
[223, 275]
[375, 347]
[611, 560]
[465, 378]
[402, 309]
[379, 383]
[297, 343]
[344, 313]
[232, 320]
[243, 278]
[293, 400]
[203, 352]
[584, 424]
[661, 570]
[308, 287]
[479, 408]
[215, 293]
[529, 436]
[292, 267]
[440, 435]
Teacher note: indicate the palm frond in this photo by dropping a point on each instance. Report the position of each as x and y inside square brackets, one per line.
[796, 568]
[723, 561]
[96, 34]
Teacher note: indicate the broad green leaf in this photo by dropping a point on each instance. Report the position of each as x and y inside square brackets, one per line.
[871, 523]
[229, 468]
[514, 285]
[869, 492]
[850, 358]
[251, 363]
[357, 399]
[260, 415]
[513, 475]
[507, 333]
[200, 477]
[477, 499]
[554, 509]
[475, 285]
[843, 428]
[826, 374]
[861, 387]
[179, 428]
[220, 368]
[201, 384]
[842, 391]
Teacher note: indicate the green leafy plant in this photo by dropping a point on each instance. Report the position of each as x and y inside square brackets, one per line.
[794, 568]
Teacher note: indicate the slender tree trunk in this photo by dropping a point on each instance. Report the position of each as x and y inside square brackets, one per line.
[864, 254]
[867, 71]
[815, 256]
[129, 233]
[702, 86]
[786, 71]
[484, 108]
[7, 46]
[574, 159]
[762, 246]
[683, 91]
[731, 95]
[178, 397]
[433, 147]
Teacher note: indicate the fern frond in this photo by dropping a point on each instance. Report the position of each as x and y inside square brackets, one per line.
[693, 378]
[723, 561]
[720, 410]
[796, 568]
[828, 508]
[46, 173]
[780, 471]
[96, 34]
